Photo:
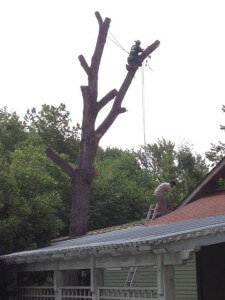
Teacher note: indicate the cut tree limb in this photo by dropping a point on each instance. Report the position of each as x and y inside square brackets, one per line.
[97, 55]
[84, 64]
[60, 162]
[106, 99]
[99, 18]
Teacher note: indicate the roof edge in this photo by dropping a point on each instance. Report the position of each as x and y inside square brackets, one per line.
[202, 184]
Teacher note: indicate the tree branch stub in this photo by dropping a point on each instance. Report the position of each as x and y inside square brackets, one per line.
[106, 99]
[97, 55]
[99, 18]
[84, 64]
[60, 162]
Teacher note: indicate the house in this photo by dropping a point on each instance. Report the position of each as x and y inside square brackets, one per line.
[177, 256]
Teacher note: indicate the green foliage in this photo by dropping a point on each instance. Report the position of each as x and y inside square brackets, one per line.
[11, 131]
[190, 170]
[120, 193]
[34, 193]
[217, 152]
[52, 124]
[165, 163]
[30, 209]
[159, 159]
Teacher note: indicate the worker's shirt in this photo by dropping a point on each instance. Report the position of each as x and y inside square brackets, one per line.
[135, 50]
[163, 188]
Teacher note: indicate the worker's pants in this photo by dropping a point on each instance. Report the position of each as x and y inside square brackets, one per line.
[162, 204]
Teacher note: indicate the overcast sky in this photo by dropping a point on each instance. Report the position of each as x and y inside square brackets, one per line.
[184, 94]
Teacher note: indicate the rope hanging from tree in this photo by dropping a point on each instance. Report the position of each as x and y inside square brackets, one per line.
[143, 101]
[115, 41]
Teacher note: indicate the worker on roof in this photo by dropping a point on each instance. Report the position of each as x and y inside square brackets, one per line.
[166, 187]
[133, 59]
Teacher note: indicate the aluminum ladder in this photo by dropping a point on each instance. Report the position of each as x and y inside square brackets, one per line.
[133, 271]
[131, 276]
[152, 213]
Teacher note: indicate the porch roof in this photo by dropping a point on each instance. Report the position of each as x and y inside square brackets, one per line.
[135, 237]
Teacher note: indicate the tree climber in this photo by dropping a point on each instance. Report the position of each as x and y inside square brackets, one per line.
[159, 192]
[133, 59]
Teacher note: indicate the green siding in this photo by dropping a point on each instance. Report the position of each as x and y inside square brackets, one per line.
[185, 279]
[146, 277]
[115, 278]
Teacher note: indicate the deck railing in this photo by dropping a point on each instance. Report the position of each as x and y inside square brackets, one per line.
[75, 293]
[84, 293]
[35, 293]
[48, 293]
[118, 293]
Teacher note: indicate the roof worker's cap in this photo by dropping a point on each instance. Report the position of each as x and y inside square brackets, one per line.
[137, 42]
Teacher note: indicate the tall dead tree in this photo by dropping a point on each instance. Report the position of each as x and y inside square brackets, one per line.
[83, 175]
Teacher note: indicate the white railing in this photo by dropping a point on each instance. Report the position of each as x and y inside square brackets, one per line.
[116, 293]
[48, 293]
[75, 293]
[35, 293]
[84, 293]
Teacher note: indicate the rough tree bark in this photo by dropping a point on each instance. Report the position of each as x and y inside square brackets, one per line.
[83, 175]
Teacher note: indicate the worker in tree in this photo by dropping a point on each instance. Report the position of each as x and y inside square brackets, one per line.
[133, 59]
[159, 193]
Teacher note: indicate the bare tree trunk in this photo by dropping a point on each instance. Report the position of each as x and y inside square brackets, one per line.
[81, 189]
[83, 176]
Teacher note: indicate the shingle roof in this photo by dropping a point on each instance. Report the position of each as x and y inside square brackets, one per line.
[208, 206]
[140, 235]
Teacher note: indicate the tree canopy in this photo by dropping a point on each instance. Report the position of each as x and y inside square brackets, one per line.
[217, 151]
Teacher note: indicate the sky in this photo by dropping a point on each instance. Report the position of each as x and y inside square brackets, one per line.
[183, 91]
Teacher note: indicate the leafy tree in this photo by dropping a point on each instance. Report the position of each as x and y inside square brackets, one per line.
[12, 131]
[165, 163]
[217, 152]
[109, 152]
[120, 193]
[190, 169]
[159, 159]
[30, 200]
[52, 124]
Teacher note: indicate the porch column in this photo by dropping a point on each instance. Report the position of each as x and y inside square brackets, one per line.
[165, 279]
[160, 277]
[96, 280]
[58, 282]
[169, 283]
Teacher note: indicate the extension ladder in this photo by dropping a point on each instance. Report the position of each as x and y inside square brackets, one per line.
[152, 212]
[131, 276]
[133, 271]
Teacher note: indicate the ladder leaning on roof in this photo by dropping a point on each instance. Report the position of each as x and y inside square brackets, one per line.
[152, 213]
[131, 276]
[133, 271]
